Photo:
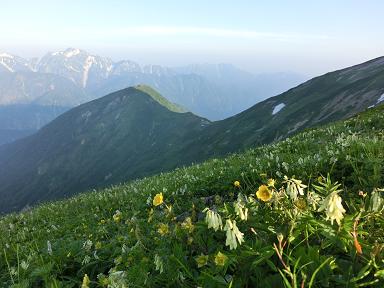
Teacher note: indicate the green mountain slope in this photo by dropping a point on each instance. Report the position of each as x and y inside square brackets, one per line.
[120, 237]
[125, 135]
[334, 96]
[135, 133]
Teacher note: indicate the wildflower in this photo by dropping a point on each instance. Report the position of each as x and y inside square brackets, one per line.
[87, 245]
[333, 207]
[188, 225]
[86, 260]
[159, 264]
[201, 260]
[98, 245]
[86, 282]
[271, 182]
[236, 184]
[220, 259]
[102, 221]
[103, 280]
[233, 234]
[264, 193]
[240, 209]
[49, 247]
[158, 199]
[117, 216]
[300, 203]
[294, 187]
[117, 279]
[163, 229]
[24, 265]
[213, 219]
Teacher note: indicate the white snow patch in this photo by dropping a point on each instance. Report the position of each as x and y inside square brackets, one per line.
[278, 108]
[71, 53]
[87, 65]
[6, 66]
[381, 99]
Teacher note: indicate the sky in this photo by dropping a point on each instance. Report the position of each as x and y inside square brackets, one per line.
[306, 37]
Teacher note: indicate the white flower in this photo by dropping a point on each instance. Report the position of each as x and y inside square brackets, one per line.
[49, 247]
[87, 245]
[213, 219]
[233, 234]
[333, 207]
[24, 265]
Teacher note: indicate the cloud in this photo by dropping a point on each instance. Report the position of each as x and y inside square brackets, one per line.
[189, 31]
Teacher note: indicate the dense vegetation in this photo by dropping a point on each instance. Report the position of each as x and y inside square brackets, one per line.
[304, 212]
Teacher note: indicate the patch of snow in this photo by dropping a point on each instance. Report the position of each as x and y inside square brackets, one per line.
[278, 108]
[87, 65]
[6, 66]
[72, 52]
[381, 99]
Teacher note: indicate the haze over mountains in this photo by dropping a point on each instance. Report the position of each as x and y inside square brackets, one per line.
[60, 80]
[135, 132]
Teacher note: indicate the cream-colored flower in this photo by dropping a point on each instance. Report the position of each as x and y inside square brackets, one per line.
[213, 219]
[240, 209]
[294, 187]
[333, 208]
[86, 282]
[233, 234]
[271, 182]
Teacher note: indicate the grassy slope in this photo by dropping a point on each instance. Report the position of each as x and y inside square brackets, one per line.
[159, 98]
[87, 239]
[122, 136]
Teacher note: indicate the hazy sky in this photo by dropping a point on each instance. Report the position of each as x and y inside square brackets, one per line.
[309, 37]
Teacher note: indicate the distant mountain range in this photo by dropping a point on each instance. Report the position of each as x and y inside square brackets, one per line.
[136, 132]
[68, 78]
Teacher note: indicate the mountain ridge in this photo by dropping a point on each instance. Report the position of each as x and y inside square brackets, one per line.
[108, 142]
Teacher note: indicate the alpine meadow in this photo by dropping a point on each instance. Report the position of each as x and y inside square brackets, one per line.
[201, 144]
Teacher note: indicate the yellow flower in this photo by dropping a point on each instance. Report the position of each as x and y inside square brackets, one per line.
[301, 203]
[98, 245]
[117, 216]
[188, 225]
[271, 182]
[220, 259]
[86, 281]
[158, 199]
[236, 184]
[264, 193]
[201, 260]
[163, 229]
